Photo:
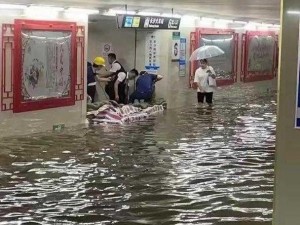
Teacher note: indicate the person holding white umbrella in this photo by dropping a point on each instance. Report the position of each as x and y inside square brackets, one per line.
[205, 82]
[205, 76]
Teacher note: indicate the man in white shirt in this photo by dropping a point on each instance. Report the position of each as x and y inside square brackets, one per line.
[204, 90]
[116, 88]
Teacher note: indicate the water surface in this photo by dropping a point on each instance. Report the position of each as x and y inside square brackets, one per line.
[188, 166]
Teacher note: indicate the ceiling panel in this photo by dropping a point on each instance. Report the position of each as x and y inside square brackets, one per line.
[264, 10]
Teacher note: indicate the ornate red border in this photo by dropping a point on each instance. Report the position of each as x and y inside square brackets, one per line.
[7, 91]
[248, 76]
[18, 105]
[80, 48]
[193, 64]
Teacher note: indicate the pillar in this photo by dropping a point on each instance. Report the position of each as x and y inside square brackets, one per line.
[287, 157]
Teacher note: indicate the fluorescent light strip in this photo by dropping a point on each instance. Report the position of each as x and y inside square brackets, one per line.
[224, 21]
[190, 17]
[12, 6]
[254, 23]
[265, 25]
[45, 8]
[171, 15]
[148, 13]
[82, 11]
[293, 12]
[240, 22]
[112, 12]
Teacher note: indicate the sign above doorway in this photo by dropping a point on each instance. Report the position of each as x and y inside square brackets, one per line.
[148, 22]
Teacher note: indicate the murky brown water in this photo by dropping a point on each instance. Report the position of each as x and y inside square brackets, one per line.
[188, 166]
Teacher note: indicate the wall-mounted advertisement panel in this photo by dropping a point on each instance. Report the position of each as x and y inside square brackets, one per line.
[258, 56]
[225, 65]
[45, 65]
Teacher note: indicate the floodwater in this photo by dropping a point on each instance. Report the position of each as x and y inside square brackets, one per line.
[188, 166]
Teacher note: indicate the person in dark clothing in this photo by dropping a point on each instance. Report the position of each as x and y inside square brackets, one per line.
[116, 88]
[91, 82]
[145, 86]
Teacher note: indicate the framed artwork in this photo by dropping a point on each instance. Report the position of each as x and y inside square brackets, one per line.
[258, 56]
[45, 65]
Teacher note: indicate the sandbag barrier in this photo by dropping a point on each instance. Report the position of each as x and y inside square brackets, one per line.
[110, 112]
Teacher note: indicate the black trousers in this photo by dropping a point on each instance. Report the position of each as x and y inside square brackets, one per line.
[110, 91]
[91, 91]
[207, 95]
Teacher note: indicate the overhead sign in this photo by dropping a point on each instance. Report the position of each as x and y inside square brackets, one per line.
[148, 22]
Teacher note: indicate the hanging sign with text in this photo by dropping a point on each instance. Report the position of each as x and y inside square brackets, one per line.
[152, 52]
[148, 22]
[175, 46]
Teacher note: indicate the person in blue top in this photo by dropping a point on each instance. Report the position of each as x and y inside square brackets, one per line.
[145, 85]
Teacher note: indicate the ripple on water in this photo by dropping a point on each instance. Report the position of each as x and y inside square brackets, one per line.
[189, 166]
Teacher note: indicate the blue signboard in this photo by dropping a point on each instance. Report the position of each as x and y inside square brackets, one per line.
[182, 57]
[297, 113]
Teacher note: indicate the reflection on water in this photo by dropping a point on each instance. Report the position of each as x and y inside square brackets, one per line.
[189, 166]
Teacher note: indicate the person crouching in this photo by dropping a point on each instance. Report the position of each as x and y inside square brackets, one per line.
[145, 86]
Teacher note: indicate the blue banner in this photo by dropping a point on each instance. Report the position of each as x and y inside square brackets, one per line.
[182, 57]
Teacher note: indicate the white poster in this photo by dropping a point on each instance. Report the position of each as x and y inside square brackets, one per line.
[152, 51]
[175, 54]
[46, 64]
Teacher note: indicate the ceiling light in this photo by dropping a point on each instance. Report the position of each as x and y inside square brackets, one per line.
[113, 12]
[82, 11]
[206, 19]
[254, 23]
[44, 8]
[240, 22]
[190, 17]
[42, 12]
[189, 21]
[148, 13]
[171, 15]
[224, 21]
[12, 6]
[250, 26]
[262, 28]
[293, 12]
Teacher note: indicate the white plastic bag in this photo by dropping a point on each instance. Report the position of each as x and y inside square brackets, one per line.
[211, 82]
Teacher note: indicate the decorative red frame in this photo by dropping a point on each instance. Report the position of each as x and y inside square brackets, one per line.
[80, 48]
[250, 76]
[195, 44]
[193, 64]
[18, 105]
[7, 44]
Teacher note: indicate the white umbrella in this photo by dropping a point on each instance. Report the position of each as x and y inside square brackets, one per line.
[205, 52]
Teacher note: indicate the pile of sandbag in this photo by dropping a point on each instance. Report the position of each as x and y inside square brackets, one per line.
[110, 112]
